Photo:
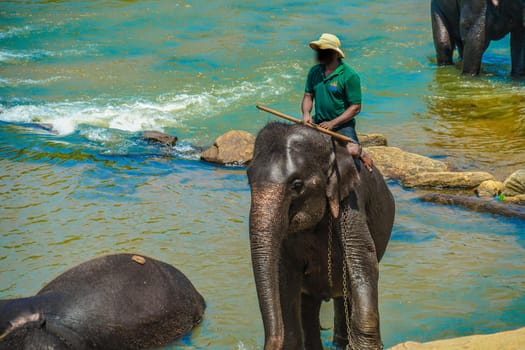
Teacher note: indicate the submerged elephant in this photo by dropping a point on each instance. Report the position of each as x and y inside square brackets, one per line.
[470, 25]
[309, 199]
[120, 301]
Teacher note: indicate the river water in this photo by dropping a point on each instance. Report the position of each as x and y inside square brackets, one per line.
[103, 71]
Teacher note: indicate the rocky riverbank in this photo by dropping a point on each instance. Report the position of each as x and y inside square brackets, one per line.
[475, 190]
[509, 340]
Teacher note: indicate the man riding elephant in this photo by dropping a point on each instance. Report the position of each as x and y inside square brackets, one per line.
[336, 90]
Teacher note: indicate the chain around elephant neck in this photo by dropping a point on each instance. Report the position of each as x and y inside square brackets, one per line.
[330, 277]
[346, 296]
[346, 299]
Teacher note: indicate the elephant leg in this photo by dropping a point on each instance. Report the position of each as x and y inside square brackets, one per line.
[310, 308]
[443, 40]
[473, 35]
[340, 329]
[290, 290]
[363, 267]
[517, 48]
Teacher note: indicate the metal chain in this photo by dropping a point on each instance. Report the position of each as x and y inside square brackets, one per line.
[330, 278]
[346, 295]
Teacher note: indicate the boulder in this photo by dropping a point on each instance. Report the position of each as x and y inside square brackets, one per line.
[515, 183]
[476, 204]
[518, 199]
[397, 164]
[489, 188]
[159, 137]
[46, 126]
[447, 179]
[41, 126]
[368, 140]
[509, 340]
[233, 148]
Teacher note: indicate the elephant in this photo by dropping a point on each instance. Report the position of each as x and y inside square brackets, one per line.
[120, 301]
[470, 25]
[311, 200]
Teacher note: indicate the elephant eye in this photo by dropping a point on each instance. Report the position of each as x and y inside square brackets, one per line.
[297, 185]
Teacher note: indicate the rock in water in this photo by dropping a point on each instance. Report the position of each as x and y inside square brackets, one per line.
[489, 188]
[159, 137]
[447, 179]
[233, 148]
[518, 199]
[398, 164]
[510, 340]
[476, 204]
[367, 140]
[515, 183]
[46, 126]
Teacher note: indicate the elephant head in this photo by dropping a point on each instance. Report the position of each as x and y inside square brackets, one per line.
[28, 314]
[295, 175]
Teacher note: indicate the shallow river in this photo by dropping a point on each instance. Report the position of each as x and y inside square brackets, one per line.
[102, 71]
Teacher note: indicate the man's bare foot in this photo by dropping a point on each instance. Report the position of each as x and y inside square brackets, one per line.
[357, 152]
[367, 160]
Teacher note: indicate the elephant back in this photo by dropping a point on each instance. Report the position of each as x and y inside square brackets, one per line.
[124, 301]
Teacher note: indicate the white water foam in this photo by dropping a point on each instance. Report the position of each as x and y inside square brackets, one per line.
[29, 55]
[15, 31]
[101, 135]
[6, 82]
[6, 56]
[168, 110]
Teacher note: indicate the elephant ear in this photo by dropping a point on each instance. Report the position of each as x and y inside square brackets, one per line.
[342, 176]
[16, 314]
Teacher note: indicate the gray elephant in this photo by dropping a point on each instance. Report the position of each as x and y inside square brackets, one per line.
[470, 25]
[118, 301]
[311, 204]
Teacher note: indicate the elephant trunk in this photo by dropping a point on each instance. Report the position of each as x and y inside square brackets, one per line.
[268, 222]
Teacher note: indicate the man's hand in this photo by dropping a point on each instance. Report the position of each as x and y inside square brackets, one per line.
[328, 125]
[307, 119]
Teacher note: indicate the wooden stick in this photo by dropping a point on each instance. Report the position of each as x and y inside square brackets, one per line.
[312, 125]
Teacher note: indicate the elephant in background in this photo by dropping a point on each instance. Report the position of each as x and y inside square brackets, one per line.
[115, 302]
[470, 25]
[305, 185]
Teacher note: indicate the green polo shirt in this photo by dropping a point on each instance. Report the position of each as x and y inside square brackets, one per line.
[335, 93]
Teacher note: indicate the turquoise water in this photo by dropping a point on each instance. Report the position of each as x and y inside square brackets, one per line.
[102, 71]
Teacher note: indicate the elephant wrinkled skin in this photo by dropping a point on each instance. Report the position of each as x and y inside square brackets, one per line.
[301, 183]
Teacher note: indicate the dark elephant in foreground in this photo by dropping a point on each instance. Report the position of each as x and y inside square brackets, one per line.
[470, 25]
[309, 199]
[118, 301]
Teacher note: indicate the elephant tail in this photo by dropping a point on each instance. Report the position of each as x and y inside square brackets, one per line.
[19, 313]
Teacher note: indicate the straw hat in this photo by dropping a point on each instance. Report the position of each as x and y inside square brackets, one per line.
[328, 42]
